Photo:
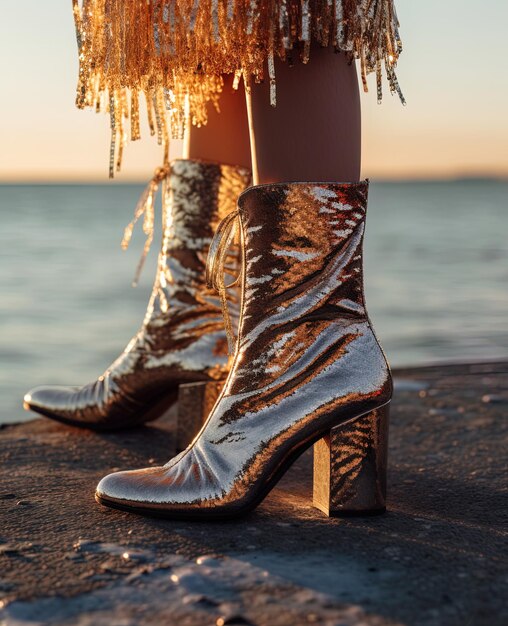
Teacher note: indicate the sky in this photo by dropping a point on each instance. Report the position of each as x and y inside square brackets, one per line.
[453, 73]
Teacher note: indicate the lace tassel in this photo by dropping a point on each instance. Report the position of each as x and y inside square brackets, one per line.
[145, 208]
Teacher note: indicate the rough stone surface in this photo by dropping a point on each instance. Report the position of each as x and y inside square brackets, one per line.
[437, 557]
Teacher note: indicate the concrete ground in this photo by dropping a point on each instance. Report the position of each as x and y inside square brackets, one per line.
[438, 557]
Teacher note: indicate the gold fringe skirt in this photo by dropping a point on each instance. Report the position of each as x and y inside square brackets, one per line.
[175, 52]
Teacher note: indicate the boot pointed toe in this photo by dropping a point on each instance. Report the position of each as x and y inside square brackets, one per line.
[119, 487]
[49, 399]
[135, 490]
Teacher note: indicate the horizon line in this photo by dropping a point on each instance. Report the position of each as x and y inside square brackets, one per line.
[140, 181]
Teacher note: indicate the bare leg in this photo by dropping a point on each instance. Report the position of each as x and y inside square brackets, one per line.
[225, 138]
[314, 132]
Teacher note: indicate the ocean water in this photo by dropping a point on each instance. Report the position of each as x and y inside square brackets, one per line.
[436, 278]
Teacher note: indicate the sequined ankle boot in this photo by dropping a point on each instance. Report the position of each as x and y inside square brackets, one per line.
[308, 369]
[182, 338]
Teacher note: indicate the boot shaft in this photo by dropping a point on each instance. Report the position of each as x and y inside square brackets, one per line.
[303, 313]
[303, 251]
[196, 196]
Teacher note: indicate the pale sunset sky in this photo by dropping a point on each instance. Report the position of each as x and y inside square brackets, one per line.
[453, 73]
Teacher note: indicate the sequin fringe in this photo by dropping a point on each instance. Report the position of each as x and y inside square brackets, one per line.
[175, 51]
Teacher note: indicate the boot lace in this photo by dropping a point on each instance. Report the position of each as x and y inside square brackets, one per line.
[216, 269]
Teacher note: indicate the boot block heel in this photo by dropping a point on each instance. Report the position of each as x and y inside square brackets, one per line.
[350, 466]
[195, 403]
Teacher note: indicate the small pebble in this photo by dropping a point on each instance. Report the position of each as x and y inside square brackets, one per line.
[493, 399]
[8, 549]
[208, 559]
[109, 566]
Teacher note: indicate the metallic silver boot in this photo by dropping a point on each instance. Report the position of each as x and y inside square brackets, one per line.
[182, 338]
[308, 368]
